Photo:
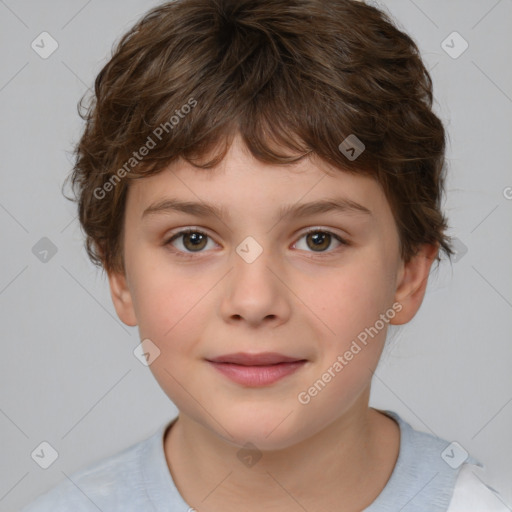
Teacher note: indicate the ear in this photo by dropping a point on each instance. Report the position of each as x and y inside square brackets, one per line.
[412, 282]
[122, 298]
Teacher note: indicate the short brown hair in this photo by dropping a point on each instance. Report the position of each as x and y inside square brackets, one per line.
[298, 75]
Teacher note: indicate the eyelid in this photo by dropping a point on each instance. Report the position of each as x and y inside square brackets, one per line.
[331, 231]
[183, 231]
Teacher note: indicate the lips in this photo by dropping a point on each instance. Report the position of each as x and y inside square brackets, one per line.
[261, 359]
[256, 370]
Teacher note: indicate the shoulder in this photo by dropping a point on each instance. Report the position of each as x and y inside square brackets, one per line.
[472, 494]
[113, 483]
[437, 475]
[469, 491]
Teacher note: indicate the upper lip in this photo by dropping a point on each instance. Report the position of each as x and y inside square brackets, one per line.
[261, 359]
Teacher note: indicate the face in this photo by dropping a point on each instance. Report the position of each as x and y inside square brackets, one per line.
[253, 279]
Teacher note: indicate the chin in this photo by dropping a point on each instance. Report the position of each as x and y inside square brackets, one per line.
[272, 428]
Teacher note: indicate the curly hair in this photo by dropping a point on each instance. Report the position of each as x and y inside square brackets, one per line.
[292, 77]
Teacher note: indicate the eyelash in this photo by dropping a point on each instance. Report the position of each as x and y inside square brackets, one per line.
[189, 255]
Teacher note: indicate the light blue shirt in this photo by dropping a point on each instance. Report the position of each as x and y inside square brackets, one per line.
[138, 480]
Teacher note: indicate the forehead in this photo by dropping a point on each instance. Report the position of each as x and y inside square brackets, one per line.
[242, 183]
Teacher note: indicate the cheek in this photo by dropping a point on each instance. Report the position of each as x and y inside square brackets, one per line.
[354, 297]
[167, 303]
[351, 304]
[170, 309]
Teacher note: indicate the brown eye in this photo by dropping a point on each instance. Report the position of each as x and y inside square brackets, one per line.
[319, 241]
[192, 241]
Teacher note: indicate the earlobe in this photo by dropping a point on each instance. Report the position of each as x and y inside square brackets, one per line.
[121, 297]
[412, 283]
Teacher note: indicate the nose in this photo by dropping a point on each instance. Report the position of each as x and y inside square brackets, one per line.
[255, 292]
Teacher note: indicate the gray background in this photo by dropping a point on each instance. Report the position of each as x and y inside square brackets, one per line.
[68, 373]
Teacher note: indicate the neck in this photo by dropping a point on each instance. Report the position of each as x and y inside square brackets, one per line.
[342, 467]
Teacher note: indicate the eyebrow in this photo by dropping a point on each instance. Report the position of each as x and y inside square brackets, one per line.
[339, 204]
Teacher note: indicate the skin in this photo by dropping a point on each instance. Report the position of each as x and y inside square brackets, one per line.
[334, 453]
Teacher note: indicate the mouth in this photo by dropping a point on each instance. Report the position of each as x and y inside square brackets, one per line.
[256, 370]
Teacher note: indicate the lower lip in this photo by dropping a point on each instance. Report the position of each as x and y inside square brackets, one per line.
[255, 376]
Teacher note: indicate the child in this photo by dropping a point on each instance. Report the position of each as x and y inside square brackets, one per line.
[261, 180]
